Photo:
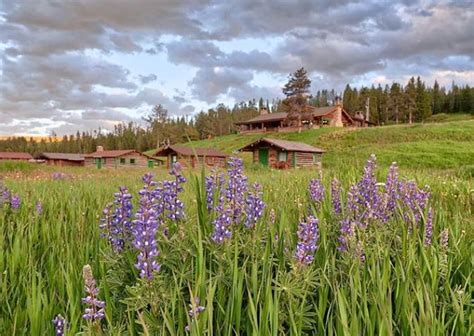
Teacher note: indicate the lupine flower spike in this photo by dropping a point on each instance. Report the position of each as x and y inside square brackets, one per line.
[59, 325]
[317, 191]
[429, 227]
[308, 236]
[146, 224]
[336, 196]
[95, 307]
[15, 202]
[254, 206]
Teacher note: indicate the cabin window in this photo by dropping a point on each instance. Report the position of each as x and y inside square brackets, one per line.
[315, 158]
[282, 156]
[132, 161]
[122, 160]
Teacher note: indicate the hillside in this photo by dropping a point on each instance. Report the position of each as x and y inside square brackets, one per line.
[435, 145]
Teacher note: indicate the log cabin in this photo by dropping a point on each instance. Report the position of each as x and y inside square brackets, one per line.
[312, 117]
[62, 159]
[283, 154]
[192, 157]
[15, 156]
[122, 158]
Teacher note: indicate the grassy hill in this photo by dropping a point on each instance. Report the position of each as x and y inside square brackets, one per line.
[447, 145]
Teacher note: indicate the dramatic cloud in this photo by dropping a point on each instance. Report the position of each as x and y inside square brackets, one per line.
[69, 65]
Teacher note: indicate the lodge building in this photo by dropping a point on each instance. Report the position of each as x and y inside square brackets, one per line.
[192, 157]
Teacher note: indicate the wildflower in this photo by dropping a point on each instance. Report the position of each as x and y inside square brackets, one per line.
[145, 226]
[222, 225]
[316, 191]
[254, 206]
[237, 186]
[195, 310]
[171, 189]
[59, 325]
[368, 195]
[39, 208]
[429, 227]
[336, 196]
[15, 202]
[392, 186]
[95, 310]
[308, 236]
[120, 223]
[415, 199]
[346, 231]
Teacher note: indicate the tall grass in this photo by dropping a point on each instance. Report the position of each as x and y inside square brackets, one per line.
[249, 285]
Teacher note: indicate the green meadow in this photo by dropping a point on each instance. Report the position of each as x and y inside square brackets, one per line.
[251, 285]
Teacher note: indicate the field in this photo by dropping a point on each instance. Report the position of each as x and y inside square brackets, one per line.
[394, 276]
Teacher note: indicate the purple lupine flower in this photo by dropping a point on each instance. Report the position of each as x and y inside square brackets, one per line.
[194, 311]
[171, 189]
[415, 199]
[58, 176]
[222, 224]
[308, 236]
[254, 206]
[120, 230]
[237, 186]
[368, 195]
[59, 325]
[316, 191]
[346, 232]
[392, 188]
[444, 239]
[95, 307]
[39, 207]
[429, 227]
[15, 202]
[336, 196]
[145, 226]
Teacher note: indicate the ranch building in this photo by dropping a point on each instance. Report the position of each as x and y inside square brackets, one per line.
[15, 156]
[62, 159]
[283, 154]
[192, 157]
[311, 117]
[122, 158]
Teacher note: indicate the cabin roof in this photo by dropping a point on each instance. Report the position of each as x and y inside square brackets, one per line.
[61, 156]
[291, 146]
[188, 151]
[277, 116]
[112, 153]
[15, 156]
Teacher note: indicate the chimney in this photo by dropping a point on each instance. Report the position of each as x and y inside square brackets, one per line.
[99, 149]
[263, 110]
[337, 121]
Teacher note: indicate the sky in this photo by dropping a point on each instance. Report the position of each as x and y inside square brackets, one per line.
[68, 65]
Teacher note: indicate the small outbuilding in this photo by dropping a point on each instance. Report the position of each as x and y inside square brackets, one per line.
[283, 154]
[122, 158]
[15, 156]
[62, 159]
[193, 157]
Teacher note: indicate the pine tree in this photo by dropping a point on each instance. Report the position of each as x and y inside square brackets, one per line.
[296, 91]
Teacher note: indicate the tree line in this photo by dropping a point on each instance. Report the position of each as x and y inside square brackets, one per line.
[395, 103]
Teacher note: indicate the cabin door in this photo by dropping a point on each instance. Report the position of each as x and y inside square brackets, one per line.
[263, 156]
[98, 162]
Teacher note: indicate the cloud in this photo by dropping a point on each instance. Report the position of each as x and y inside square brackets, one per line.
[72, 63]
[148, 78]
[209, 83]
